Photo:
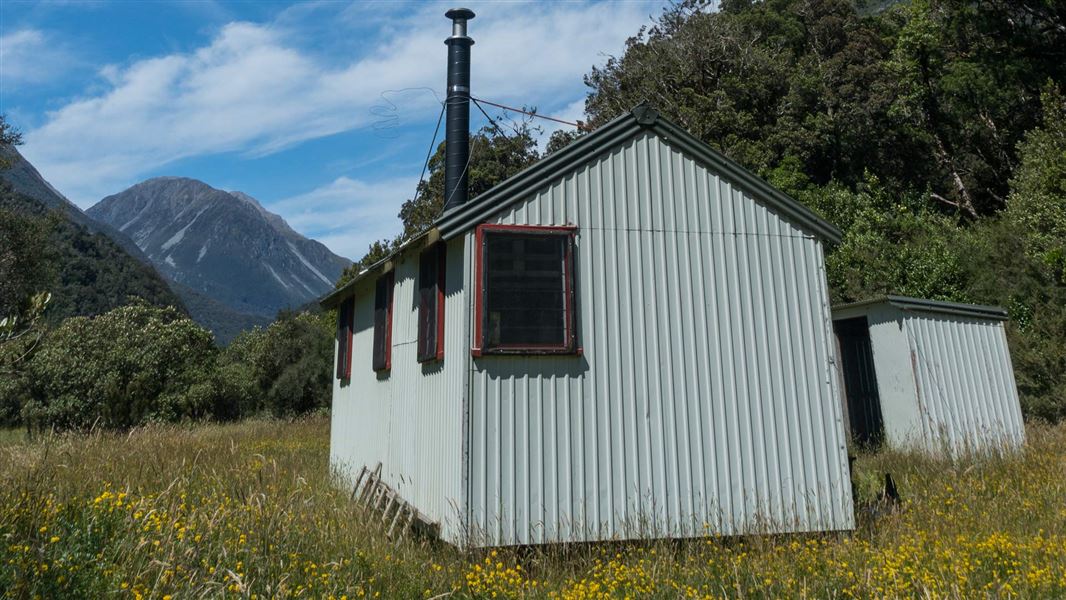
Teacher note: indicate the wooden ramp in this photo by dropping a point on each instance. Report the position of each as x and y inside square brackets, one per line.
[397, 516]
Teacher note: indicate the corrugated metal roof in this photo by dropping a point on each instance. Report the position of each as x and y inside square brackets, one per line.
[629, 125]
[937, 306]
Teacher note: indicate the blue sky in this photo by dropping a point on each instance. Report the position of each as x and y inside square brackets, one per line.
[322, 110]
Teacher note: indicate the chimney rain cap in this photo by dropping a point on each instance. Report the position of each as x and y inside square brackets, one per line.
[459, 17]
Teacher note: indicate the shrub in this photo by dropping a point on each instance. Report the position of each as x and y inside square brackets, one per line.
[283, 369]
[132, 365]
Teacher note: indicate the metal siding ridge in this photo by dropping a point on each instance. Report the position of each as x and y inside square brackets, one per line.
[996, 395]
[801, 406]
[700, 295]
[814, 466]
[982, 382]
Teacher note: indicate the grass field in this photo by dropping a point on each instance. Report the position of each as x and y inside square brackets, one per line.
[247, 510]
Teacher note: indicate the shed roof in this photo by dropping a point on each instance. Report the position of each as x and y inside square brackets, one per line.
[980, 311]
[640, 119]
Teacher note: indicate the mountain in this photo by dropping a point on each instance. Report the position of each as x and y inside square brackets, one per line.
[224, 246]
[26, 179]
[93, 273]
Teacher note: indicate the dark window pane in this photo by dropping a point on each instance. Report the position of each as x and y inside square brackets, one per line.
[525, 291]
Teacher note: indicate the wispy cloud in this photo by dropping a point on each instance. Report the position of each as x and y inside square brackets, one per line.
[30, 57]
[260, 88]
[347, 215]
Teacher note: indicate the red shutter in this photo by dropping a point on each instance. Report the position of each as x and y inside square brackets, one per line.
[344, 338]
[383, 322]
[431, 304]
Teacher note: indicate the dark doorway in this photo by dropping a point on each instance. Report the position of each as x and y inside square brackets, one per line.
[860, 381]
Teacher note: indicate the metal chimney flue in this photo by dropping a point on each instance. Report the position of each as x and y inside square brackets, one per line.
[457, 129]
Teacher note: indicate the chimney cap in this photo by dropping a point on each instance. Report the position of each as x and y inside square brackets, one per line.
[459, 13]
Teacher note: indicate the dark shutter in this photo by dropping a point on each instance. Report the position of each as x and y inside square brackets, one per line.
[344, 339]
[431, 303]
[383, 323]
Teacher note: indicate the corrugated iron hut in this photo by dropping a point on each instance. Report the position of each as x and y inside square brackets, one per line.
[631, 338]
[930, 375]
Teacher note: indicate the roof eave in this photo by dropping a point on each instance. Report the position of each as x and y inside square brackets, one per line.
[334, 298]
[981, 311]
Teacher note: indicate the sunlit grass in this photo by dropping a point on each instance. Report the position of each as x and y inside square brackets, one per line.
[248, 510]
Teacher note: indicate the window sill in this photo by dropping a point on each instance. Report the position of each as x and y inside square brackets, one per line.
[479, 352]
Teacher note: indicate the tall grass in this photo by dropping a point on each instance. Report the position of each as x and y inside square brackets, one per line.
[248, 510]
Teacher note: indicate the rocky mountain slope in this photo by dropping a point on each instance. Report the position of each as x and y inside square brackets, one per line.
[221, 245]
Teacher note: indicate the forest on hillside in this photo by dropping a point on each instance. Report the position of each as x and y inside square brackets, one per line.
[931, 132]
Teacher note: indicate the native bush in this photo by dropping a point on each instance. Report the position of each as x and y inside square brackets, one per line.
[127, 367]
[284, 369]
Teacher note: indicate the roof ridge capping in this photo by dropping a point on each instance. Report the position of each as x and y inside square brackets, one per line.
[982, 311]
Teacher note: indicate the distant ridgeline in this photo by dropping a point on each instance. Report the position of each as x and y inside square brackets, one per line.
[219, 256]
[234, 263]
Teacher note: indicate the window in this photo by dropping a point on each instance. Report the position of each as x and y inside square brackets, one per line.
[344, 339]
[383, 322]
[431, 303]
[525, 290]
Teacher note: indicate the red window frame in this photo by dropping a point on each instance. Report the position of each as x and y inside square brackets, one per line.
[345, 317]
[439, 254]
[570, 345]
[385, 364]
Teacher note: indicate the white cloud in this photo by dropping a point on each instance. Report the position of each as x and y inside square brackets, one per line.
[29, 57]
[259, 88]
[347, 215]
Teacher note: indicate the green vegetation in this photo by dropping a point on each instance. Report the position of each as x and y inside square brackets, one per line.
[140, 364]
[251, 510]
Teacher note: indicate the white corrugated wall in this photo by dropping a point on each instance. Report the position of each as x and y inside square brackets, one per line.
[705, 399]
[410, 420]
[967, 397]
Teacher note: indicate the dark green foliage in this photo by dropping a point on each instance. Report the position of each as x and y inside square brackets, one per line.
[891, 245]
[1019, 261]
[9, 136]
[285, 369]
[93, 274]
[930, 95]
[26, 267]
[133, 365]
[221, 320]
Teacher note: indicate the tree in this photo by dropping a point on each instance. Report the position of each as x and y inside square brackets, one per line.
[9, 136]
[285, 369]
[968, 77]
[128, 367]
[929, 95]
[1019, 261]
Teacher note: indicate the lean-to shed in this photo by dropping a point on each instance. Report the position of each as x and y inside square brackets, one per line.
[931, 375]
